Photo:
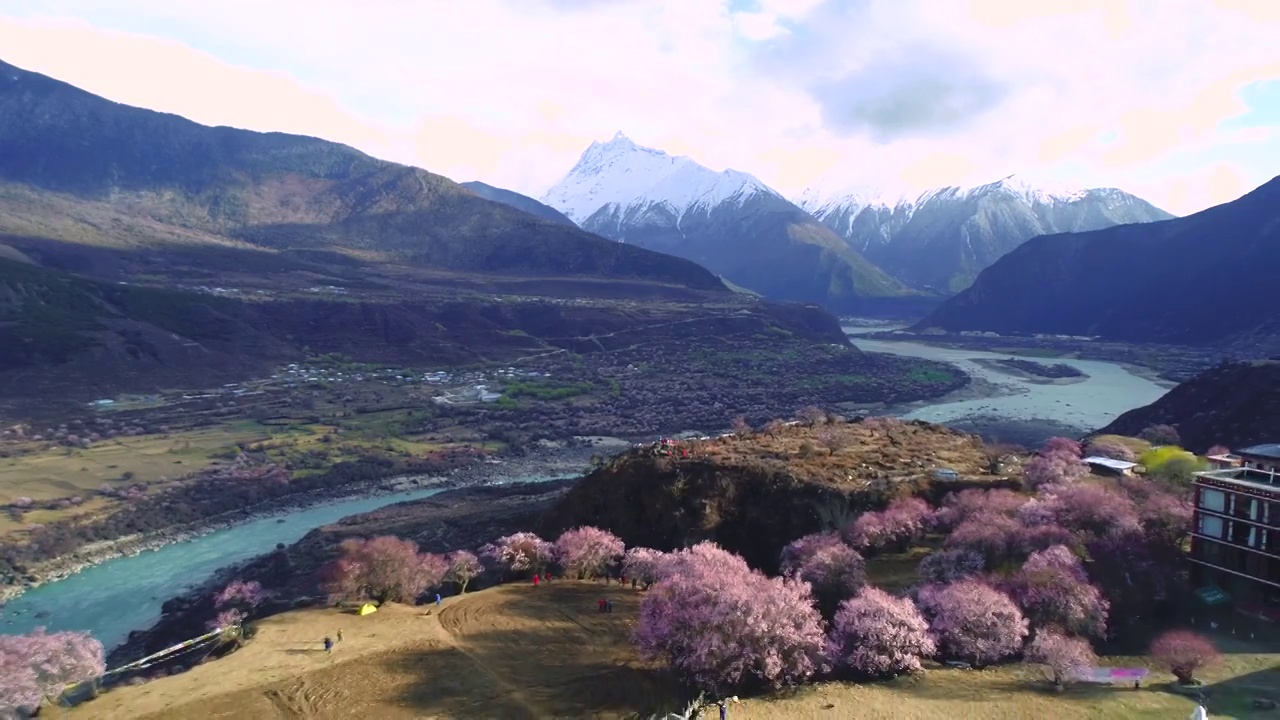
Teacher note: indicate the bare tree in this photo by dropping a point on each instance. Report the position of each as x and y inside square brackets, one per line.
[833, 441]
[740, 426]
[812, 415]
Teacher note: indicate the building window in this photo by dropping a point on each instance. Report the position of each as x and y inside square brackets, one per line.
[1214, 500]
[1210, 526]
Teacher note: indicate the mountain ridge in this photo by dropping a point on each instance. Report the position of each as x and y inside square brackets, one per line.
[939, 239]
[1151, 282]
[728, 221]
[278, 192]
[524, 203]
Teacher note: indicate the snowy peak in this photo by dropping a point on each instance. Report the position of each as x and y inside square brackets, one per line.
[626, 175]
[820, 202]
[1032, 192]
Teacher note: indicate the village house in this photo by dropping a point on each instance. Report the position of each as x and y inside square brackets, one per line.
[1109, 466]
[1235, 540]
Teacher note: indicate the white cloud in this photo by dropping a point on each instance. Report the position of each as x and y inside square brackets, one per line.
[794, 91]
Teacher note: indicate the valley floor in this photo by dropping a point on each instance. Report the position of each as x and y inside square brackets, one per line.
[517, 651]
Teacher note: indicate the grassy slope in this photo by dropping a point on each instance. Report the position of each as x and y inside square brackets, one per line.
[520, 652]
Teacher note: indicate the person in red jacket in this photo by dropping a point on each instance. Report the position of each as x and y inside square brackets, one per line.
[535, 580]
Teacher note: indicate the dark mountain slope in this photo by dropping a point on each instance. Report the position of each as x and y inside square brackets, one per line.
[1198, 280]
[523, 203]
[1234, 404]
[62, 334]
[185, 183]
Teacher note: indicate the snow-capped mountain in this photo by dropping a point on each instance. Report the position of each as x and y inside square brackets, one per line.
[728, 221]
[942, 238]
[624, 175]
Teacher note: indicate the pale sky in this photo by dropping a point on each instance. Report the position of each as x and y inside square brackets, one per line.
[1177, 101]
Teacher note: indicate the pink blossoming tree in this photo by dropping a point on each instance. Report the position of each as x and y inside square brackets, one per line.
[519, 553]
[876, 634]
[1053, 591]
[834, 570]
[904, 520]
[587, 552]
[464, 566]
[958, 507]
[433, 569]
[973, 621]
[1062, 659]
[42, 666]
[643, 564]
[1113, 450]
[945, 566]
[723, 626]
[1184, 653]
[383, 569]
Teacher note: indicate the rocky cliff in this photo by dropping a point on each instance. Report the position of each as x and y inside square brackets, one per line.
[756, 493]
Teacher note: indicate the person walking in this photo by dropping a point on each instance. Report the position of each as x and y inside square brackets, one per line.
[438, 599]
[328, 645]
[535, 580]
[339, 634]
[600, 605]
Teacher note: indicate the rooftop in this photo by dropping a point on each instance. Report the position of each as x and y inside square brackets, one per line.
[1108, 462]
[1248, 477]
[1267, 450]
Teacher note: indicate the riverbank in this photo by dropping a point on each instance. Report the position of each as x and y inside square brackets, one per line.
[551, 459]
[1166, 365]
[462, 518]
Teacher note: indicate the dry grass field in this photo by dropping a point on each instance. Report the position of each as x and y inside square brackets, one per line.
[840, 452]
[522, 652]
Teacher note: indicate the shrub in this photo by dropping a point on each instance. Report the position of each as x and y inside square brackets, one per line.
[463, 567]
[876, 634]
[722, 625]
[973, 621]
[41, 665]
[586, 552]
[1171, 463]
[834, 570]
[1161, 435]
[1184, 653]
[1218, 450]
[1062, 659]
[240, 594]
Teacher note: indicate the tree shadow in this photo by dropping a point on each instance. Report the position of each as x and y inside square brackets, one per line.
[305, 651]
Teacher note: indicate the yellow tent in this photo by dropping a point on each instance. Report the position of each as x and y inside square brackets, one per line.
[367, 609]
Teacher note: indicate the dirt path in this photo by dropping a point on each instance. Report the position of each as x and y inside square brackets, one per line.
[512, 652]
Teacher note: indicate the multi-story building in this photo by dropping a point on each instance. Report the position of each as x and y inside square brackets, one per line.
[1235, 541]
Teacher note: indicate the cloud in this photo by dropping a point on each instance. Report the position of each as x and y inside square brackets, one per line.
[915, 90]
[1128, 93]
